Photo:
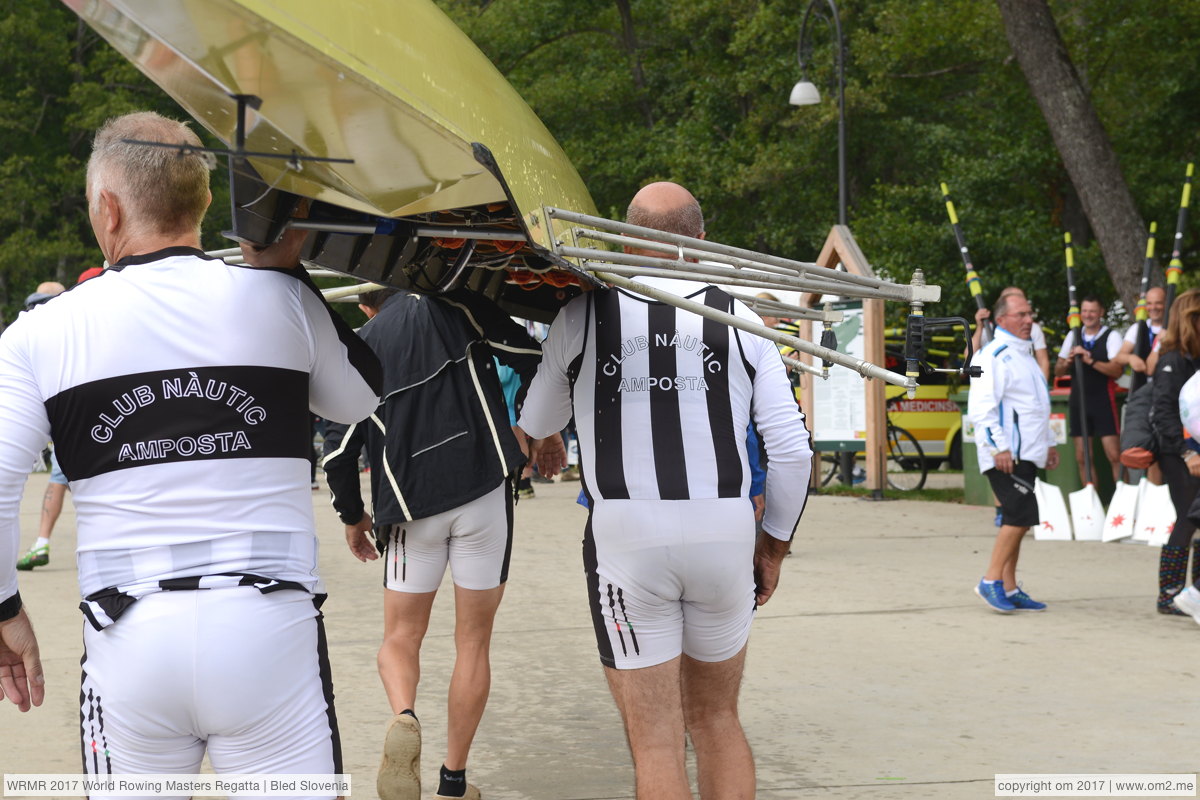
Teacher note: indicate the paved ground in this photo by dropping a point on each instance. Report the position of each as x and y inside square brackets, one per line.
[874, 673]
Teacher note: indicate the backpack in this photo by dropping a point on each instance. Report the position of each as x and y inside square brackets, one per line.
[1139, 445]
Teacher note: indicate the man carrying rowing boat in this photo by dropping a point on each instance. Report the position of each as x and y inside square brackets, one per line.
[177, 390]
[662, 399]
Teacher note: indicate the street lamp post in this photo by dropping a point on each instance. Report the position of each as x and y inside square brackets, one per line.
[805, 93]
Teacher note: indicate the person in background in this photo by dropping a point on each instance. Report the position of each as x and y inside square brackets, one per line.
[510, 384]
[1010, 407]
[981, 336]
[1179, 357]
[1096, 398]
[38, 554]
[672, 566]
[1156, 303]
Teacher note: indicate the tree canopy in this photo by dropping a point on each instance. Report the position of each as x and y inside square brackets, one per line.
[59, 81]
[697, 92]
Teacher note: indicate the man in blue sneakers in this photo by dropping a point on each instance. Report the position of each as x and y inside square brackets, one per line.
[1010, 407]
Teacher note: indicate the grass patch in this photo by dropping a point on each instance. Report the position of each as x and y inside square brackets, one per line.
[948, 495]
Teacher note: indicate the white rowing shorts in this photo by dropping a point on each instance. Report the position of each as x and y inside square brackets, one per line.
[239, 673]
[475, 539]
[666, 577]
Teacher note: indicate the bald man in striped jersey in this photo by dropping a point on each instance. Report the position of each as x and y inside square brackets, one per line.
[662, 399]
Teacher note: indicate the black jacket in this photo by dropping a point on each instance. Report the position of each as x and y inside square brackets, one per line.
[443, 427]
[1172, 372]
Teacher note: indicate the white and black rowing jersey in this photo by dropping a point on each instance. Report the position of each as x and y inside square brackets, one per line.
[177, 390]
[662, 400]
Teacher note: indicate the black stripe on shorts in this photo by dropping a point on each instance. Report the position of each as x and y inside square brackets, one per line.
[591, 575]
[335, 738]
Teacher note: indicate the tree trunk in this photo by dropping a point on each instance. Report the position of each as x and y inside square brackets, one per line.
[1081, 140]
[629, 43]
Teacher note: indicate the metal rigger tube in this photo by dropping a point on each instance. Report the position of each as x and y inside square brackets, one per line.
[864, 368]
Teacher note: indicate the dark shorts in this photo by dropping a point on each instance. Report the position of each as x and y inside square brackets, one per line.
[1018, 505]
[1101, 413]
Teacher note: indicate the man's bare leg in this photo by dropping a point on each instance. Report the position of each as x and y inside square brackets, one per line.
[651, 704]
[710, 710]
[1112, 451]
[52, 504]
[474, 613]
[405, 620]
[1003, 564]
[1009, 570]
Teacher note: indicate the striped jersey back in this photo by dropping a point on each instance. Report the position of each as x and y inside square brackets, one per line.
[662, 400]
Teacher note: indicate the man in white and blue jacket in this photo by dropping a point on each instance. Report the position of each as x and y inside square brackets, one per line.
[1009, 405]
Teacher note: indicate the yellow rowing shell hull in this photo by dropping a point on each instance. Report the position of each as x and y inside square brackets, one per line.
[392, 84]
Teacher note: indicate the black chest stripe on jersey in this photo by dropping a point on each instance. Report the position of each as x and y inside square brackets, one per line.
[666, 429]
[720, 406]
[180, 415]
[610, 465]
[1095, 382]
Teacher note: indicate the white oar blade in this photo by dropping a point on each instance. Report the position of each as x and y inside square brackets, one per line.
[1156, 515]
[1055, 522]
[1087, 514]
[1122, 512]
[1139, 533]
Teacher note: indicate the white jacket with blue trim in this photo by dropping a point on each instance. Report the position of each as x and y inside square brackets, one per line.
[1010, 403]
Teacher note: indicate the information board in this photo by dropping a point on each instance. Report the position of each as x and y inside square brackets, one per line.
[839, 403]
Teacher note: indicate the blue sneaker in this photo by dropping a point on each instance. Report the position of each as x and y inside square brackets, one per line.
[1024, 602]
[993, 595]
[999, 521]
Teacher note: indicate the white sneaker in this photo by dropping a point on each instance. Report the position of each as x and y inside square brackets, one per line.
[1188, 601]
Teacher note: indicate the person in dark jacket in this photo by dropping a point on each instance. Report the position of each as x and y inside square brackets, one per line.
[1179, 356]
[443, 458]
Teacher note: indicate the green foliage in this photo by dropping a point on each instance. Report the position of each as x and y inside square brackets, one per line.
[945, 495]
[932, 95]
[58, 82]
[696, 91]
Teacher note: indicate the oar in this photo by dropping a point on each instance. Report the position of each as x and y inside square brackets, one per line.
[1074, 322]
[1175, 268]
[1141, 345]
[972, 276]
[1087, 513]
